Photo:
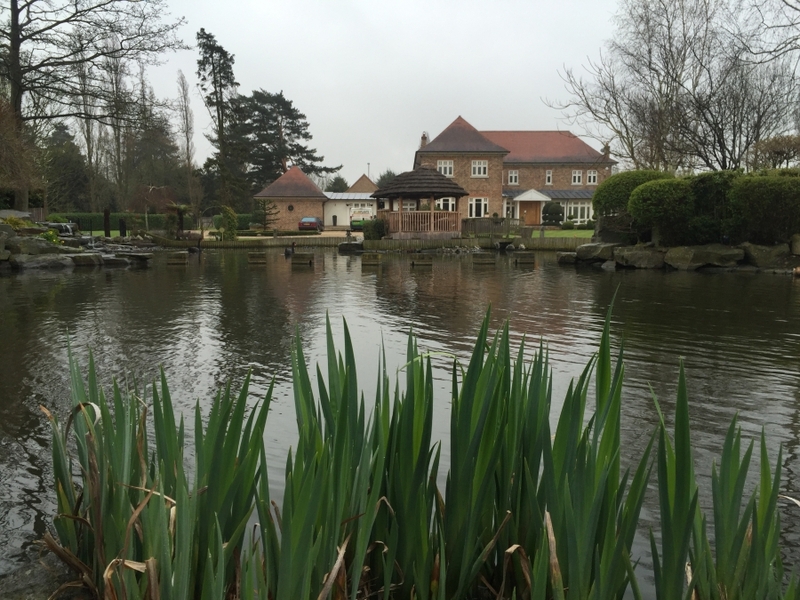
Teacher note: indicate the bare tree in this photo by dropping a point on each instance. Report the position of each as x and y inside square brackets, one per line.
[676, 88]
[43, 41]
[186, 134]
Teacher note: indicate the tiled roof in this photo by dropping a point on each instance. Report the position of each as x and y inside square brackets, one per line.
[363, 184]
[545, 147]
[568, 194]
[292, 184]
[422, 182]
[460, 136]
[365, 196]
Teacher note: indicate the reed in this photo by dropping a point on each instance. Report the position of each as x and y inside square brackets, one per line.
[526, 512]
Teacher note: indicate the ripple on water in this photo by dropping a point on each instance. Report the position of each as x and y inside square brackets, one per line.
[217, 319]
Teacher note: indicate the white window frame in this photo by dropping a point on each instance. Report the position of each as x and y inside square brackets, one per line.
[513, 177]
[510, 209]
[409, 205]
[548, 177]
[445, 204]
[483, 203]
[577, 177]
[445, 167]
[480, 168]
[591, 177]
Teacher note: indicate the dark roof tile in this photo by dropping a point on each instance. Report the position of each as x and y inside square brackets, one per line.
[422, 182]
[292, 184]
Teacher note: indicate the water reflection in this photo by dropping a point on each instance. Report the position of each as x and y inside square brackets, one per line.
[219, 317]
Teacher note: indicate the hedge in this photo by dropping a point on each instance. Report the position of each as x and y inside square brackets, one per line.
[666, 205]
[764, 210]
[242, 221]
[613, 194]
[94, 221]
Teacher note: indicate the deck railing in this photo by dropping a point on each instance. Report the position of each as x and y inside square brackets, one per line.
[420, 221]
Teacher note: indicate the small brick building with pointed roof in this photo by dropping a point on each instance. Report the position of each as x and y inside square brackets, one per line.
[497, 167]
[296, 196]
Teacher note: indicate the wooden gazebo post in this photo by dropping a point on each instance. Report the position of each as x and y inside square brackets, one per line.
[431, 209]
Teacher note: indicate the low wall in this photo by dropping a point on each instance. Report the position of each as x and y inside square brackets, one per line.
[303, 241]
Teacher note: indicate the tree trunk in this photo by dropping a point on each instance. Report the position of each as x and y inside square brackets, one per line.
[15, 73]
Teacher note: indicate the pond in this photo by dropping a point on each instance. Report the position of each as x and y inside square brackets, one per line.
[219, 317]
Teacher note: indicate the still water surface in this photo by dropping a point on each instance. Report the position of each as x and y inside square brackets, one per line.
[218, 317]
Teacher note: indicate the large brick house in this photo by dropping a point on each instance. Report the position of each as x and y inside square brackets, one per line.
[514, 173]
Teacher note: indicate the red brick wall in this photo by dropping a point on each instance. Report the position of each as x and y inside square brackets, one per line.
[533, 176]
[303, 207]
[490, 187]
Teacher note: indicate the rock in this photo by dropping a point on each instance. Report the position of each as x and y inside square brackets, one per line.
[3, 237]
[796, 244]
[41, 261]
[765, 257]
[596, 252]
[8, 229]
[5, 255]
[609, 265]
[33, 245]
[88, 259]
[566, 258]
[639, 257]
[521, 247]
[71, 242]
[109, 260]
[690, 258]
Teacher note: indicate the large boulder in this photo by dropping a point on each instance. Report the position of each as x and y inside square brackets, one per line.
[5, 255]
[689, 258]
[796, 244]
[7, 229]
[765, 257]
[87, 259]
[566, 258]
[41, 261]
[3, 237]
[640, 257]
[34, 245]
[596, 252]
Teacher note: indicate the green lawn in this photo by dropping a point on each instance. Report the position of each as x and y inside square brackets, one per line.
[581, 233]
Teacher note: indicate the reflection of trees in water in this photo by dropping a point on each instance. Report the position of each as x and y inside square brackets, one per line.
[217, 316]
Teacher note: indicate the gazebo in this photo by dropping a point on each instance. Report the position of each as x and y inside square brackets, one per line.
[423, 183]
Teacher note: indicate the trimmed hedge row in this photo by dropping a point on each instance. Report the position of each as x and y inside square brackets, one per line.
[613, 194]
[727, 206]
[94, 221]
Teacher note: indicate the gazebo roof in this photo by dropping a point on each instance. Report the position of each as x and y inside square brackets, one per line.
[422, 182]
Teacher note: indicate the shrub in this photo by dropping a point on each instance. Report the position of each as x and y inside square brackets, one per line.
[51, 235]
[552, 213]
[568, 225]
[666, 205]
[16, 223]
[230, 222]
[375, 229]
[710, 191]
[764, 210]
[94, 221]
[613, 194]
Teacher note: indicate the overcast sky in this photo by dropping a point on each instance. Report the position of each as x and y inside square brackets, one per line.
[372, 75]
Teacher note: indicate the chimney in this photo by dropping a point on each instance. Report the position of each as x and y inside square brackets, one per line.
[423, 140]
[606, 152]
